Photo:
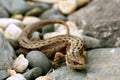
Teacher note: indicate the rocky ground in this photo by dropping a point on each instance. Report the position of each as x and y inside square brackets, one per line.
[97, 22]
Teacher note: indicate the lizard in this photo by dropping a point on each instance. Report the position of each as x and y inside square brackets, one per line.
[75, 55]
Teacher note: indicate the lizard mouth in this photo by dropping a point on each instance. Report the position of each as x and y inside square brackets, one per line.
[73, 64]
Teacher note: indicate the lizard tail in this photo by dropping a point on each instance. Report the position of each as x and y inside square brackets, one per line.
[27, 32]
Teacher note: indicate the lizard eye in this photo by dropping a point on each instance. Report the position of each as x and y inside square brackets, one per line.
[75, 63]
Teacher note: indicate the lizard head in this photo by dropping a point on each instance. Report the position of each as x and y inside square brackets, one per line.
[76, 61]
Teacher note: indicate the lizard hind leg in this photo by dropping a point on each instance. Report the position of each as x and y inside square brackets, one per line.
[58, 59]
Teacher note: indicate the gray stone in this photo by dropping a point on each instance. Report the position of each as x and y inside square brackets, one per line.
[100, 20]
[33, 73]
[102, 64]
[3, 13]
[3, 74]
[15, 6]
[52, 14]
[91, 42]
[48, 28]
[37, 8]
[38, 59]
[7, 54]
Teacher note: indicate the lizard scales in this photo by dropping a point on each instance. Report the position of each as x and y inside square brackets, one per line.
[75, 54]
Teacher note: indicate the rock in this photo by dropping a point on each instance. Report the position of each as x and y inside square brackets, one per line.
[47, 1]
[90, 42]
[33, 73]
[38, 59]
[103, 64]
[18, 17]
[41, 5]
[12, 32]
[4, 22]
[7, 54]
[62, 30]
[3, 74]
[68, 6]
[44, 78]
[15, 7]
[3, 13]
[34, 12]
[1, 31]
[47, 28]
[35, 36]
[20, 64]
[52, 13]
[102, 25]
[15, 76]
[30, 20]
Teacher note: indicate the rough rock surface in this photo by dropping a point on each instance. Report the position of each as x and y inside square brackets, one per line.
[3, 13]
[6, 54]
[100, 19]
[103, 64]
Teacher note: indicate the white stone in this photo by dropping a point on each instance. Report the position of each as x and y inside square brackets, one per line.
[69, 6]
[12, 32]
[44, 78]
[20, 64]
[52, 34]
[60, 27]
[35, 36]
[61, 30]
[29, 20]
[4, 22]
[14, 75]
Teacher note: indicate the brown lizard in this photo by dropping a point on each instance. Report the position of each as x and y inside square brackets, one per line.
[75, 55]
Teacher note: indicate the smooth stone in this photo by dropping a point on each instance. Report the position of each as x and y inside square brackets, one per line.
[42, 6]
[29, 20]
[4, 22]
[33, 73]
[12, 32]
[52, 13]
[3, 74]
[69, 6]
[103, 25]
[20, 64]
[15, 7]
[7, 54]
[38, 59]
[3, 13]
[16, 77]
[91, 42]
[44, 78]
[47, 28]
[47, 1]
[18, 17]
[1, 30]
[34, 12]
[103, 64]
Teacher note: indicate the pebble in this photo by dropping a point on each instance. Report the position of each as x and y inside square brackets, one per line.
[18, 17]
[4, 22]
[29, 20]
[38, 59]
[33, 73]
[44, 78]
[20, 64]
[12, 32]
[47, 1]
[34, 12]
[1, 30]
[14, 75]
[61, 30]
[69, 6]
